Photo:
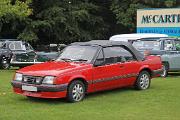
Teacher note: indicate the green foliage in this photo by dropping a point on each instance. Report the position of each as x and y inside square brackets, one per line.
[159, 102]
[66, 21]
[125, 10]
[19, 9]
[28, 35]
[12, 16]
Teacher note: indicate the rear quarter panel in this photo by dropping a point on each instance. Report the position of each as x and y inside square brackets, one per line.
[152, 62]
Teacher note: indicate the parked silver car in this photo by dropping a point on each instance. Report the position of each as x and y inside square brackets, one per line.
[167, 48]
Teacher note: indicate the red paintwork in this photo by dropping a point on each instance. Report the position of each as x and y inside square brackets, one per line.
[40, 94]
[65, 72]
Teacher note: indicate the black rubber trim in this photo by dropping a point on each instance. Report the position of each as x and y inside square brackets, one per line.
[116, 78]
[157, 72]
[42, 87]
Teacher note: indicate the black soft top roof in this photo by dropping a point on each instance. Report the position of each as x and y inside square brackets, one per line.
[107, 43]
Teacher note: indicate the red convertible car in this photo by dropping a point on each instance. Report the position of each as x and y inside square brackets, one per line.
[85, 67]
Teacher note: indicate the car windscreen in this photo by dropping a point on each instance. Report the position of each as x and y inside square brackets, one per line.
[147, 45]
[15, 45]
[78, 53]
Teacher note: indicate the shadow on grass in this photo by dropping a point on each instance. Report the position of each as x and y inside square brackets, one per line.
[12, 69]
[174, 74]
[88, 96]
[43, 100]
[110, 92]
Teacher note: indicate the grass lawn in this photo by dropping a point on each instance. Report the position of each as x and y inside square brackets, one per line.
[160, 102]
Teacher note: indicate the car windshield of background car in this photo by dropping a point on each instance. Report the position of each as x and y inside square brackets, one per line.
[147, 45]
[15, 46]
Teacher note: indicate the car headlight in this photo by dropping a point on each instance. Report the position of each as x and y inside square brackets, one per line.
[48, 80]
[18, 77]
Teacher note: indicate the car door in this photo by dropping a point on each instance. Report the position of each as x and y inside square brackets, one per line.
[30, 53]
[175, 56]
[108, 75]
[130, 66]
[172, 54]
[16, 48]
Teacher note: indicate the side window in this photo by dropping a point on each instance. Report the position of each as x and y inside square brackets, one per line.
[15, 46]
[100, 58]
[177, 45]
[117, 54]
[127, 55]
[27, 46]
[18, 46]
[3, 45]
[168, 45]
[11, 46]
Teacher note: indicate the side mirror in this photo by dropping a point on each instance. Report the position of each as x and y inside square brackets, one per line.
[98, 63]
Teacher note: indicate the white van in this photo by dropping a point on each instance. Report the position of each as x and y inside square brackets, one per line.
[135, 36]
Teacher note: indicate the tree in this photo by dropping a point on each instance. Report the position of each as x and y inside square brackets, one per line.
[12, 15]
[125, 10]
[65, 21]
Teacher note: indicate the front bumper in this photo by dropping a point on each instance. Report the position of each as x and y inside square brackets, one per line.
[43, 91]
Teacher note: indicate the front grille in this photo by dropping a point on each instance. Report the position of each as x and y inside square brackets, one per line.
[32, 79]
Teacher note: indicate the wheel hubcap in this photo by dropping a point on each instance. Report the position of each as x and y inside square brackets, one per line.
[5, 64]
[78, 92]
[164, 71]
[144, 81]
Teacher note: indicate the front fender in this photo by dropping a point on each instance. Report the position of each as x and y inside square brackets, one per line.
[76, 77]
[85, 74]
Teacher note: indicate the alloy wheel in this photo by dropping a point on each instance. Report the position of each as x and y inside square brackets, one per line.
[5, 64]
[78, 92]
[164, 68]
[144, 81]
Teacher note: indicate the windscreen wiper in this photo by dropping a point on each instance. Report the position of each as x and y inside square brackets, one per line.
[81, 60]
[66, 59]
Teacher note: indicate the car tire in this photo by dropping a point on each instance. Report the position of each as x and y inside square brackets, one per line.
[165, 70]
[143, 81]
[5, 64]
[76, 91]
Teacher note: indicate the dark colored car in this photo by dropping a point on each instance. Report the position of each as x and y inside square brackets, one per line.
[51, 51]
[167, 48]
[86, 67]
[23, 53]
[5, 56]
